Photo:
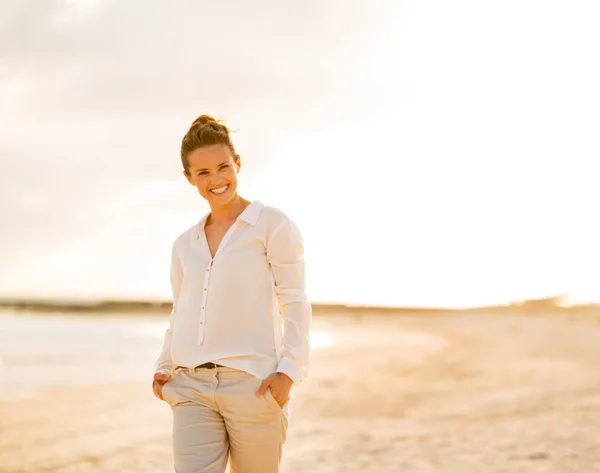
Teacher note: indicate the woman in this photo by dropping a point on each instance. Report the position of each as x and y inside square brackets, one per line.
[238, 338]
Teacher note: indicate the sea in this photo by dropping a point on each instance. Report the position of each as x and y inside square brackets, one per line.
[49, 349]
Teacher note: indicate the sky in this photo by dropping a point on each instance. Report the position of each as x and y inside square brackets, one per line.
[432, 153]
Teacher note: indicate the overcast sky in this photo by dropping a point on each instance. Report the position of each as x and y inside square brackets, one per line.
[433, 153]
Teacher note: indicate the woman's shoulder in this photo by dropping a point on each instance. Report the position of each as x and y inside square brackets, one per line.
[275, 221]
[274, 216]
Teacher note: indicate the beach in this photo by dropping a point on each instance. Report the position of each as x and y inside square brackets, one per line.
[443, 393]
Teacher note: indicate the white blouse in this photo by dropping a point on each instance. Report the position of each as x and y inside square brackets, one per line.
[246, 308]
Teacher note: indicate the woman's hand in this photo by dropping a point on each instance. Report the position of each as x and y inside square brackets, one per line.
[160, 379]
[280, 385]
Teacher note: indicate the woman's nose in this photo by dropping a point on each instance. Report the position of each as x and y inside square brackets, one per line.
[215, 179]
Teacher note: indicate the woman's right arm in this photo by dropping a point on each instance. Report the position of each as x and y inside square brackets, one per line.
[164, 364]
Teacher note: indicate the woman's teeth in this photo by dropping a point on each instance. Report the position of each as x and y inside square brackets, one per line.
[220, 190]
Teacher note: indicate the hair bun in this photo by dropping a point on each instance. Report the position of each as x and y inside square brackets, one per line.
[205, 120]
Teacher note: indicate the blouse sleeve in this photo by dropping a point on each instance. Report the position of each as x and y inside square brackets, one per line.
[285, 253]
[164, 362]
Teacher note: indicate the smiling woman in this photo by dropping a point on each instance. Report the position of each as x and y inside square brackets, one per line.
[209, 159]
[238, 338]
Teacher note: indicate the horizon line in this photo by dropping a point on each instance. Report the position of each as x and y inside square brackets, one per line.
[557, 301]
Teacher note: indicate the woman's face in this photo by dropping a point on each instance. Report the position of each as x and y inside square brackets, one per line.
[213, 171]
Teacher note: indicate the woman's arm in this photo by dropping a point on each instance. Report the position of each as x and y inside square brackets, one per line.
[164, 363]
[285, 253]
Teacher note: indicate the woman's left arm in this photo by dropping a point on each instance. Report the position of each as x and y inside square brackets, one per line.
[285, 253]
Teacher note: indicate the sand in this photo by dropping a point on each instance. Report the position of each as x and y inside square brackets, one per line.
[449, 393]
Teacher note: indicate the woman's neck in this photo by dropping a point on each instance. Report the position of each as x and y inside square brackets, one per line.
[228, 212]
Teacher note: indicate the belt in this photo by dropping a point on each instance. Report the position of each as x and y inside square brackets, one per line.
[209, 366]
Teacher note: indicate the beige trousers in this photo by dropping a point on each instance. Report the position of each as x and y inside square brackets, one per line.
[217, 416]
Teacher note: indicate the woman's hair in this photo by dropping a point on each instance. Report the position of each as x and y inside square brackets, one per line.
[205, 131]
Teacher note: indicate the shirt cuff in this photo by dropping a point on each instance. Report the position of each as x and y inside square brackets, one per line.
[165, 368]
[291, 368]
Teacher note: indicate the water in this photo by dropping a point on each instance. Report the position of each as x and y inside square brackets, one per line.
[49, 349]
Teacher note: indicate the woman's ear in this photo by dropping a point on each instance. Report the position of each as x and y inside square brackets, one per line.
[188, 177]
[238, 163]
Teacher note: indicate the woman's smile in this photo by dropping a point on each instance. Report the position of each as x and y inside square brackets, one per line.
[220, 190]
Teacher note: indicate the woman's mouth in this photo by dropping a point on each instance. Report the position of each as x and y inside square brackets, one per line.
[220, 190]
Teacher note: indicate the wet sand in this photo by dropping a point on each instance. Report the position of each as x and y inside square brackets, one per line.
[462, 393]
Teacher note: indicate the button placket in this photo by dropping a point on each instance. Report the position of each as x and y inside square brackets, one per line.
[203, 308]
[222, 244]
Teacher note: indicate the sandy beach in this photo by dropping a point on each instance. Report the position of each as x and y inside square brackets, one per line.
[458, 393]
